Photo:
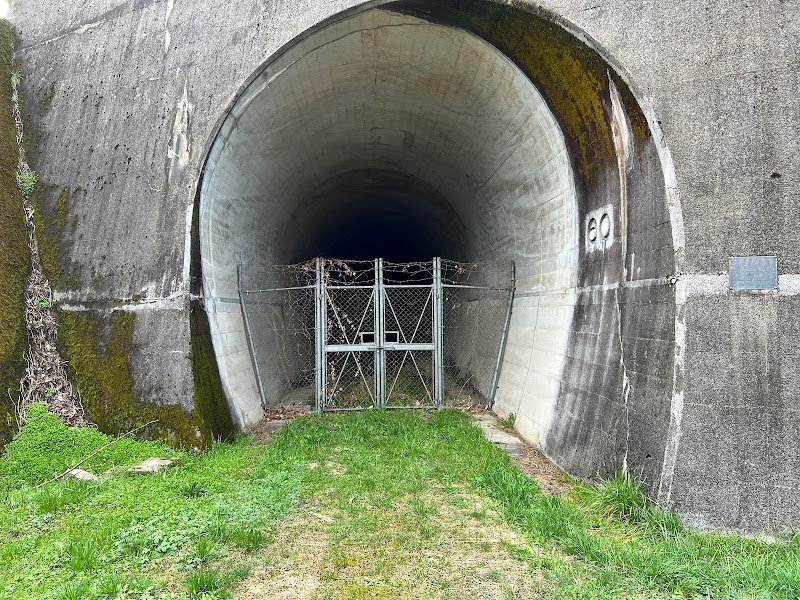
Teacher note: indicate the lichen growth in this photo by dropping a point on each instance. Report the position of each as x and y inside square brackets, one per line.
[14, 257]
[101, 370]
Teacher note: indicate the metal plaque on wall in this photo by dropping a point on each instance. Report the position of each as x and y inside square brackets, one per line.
[753, 272]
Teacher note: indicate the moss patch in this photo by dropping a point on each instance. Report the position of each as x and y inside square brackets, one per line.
[14, 256]
[101, 371]
[50, 222]
[209, 399]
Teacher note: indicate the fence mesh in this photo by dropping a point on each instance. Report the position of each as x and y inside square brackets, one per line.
[409, 320]
[280, 313]
[358, 299]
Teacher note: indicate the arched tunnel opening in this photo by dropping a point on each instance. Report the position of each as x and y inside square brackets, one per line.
[383, 135]
[476, 132]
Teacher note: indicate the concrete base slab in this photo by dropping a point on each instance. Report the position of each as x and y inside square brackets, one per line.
[508, 442]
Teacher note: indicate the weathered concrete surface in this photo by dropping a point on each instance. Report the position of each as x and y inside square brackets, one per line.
[468, 123]
[689, 383]
[720, 78]
[507, 442]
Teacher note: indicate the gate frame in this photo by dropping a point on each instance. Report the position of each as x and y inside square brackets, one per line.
[379, 347]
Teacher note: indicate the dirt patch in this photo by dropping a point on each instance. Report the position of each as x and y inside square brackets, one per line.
[441, 544]
[538, 467]
[274, 419]
[292, 562]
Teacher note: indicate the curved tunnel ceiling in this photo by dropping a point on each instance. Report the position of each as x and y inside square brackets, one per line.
[382, 114]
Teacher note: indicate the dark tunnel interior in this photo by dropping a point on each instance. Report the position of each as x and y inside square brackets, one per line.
[367, 214]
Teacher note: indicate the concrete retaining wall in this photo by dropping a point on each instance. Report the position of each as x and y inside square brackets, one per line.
[678, 120]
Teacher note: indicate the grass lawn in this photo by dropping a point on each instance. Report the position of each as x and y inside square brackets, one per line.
[367, 505]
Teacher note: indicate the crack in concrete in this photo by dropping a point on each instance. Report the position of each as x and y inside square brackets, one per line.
[626, 384]
[167, 37]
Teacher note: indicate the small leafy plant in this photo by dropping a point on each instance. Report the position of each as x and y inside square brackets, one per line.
[204, 551]
[26, 182]
[508, 422]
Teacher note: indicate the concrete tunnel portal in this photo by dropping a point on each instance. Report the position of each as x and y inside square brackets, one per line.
[390, 131]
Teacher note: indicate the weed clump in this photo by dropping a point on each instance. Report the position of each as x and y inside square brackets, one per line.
[619, 497]
[206, 582]
[81, 555]
[26, 182]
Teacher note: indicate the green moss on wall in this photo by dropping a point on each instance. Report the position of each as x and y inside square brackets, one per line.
[14, 256]
[98, 364]
[209, 399]
[50, 223]
[572, 78]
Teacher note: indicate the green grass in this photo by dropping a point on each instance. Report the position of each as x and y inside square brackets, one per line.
[391, 481]
[207, 582]
[126, 535]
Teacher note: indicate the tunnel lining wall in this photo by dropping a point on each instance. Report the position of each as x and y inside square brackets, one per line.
[402, 147]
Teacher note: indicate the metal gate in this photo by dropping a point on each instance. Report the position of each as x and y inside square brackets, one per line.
[378, 332]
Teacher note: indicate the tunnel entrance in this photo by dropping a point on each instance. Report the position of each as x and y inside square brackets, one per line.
[340, 335]
[384, 134]
[482, 132]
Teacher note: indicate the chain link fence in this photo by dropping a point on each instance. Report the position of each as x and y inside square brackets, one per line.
[348, 335]
[476, 307]
[280, 325]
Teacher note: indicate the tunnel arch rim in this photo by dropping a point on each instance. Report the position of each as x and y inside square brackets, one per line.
[671, 192]
[665, 156]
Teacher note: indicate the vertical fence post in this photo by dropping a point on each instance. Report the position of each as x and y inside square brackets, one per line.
[504, 336]
[438, 337]
[249, 335]
[380, 336]
[319, 340]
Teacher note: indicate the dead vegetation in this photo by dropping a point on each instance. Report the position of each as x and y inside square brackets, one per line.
[45, 379]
